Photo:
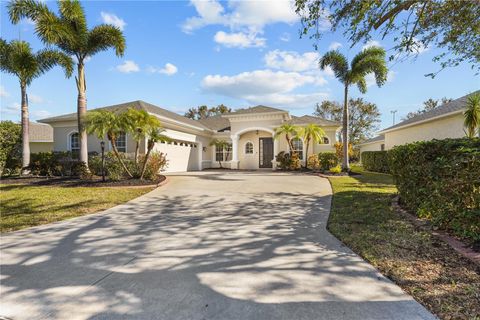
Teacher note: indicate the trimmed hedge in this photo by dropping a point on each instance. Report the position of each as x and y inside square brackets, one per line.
[376, 161]
[440, 181]
[327, 160]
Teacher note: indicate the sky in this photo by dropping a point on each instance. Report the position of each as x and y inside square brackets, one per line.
[182, 54]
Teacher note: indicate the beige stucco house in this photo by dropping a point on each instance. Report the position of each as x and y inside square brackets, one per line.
[249, 131]
[41, 137]
[445, 121]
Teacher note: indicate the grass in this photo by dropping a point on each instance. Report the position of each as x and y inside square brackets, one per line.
[424, 266]
[24, 206]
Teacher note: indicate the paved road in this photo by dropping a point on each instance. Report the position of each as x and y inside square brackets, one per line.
[211, 245]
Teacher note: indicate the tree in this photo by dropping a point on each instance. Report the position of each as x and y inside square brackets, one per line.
[10, 146]
[139, 123]
[472, 115]
[17, 58]
[203, 112]
[221, 144]
[103, 123]
[290, 131]
[428, 105]
[369, 60]
[413, 24]
[363, 117]
[69, 32]
[311, 132]
[154, 135]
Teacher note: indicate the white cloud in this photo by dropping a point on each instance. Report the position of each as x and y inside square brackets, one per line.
[238, 40]
[291, 60]
[285, 37]
[334, 45]
[13, 108]
[34, 98]
[112, 19]
[169, 69]
[370, 78]
[371, 43]
[4, 93]
[264, 87]
[40, 114]
[128, 66]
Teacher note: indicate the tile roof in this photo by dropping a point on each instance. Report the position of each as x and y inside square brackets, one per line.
[140, 105]
[256, 109]
[40, 132]
[444, 109]
[306, 119]
[217, 123]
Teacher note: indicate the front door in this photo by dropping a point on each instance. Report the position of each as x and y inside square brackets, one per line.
[265, 152]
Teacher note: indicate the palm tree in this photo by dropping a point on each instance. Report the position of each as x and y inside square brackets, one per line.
[18, 59]
[103, 123]
[311, 132]
[472, 115]
[290, 131]
[154, 135]
[139, 123]
[69, 31]
[369, 60]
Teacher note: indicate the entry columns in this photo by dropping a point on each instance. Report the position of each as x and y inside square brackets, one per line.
[275, 152]
[234, 162]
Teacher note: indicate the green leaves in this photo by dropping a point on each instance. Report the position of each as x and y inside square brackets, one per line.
[472, 115]
[338, 62]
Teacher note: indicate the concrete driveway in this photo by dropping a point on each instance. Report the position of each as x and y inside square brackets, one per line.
[210, 245]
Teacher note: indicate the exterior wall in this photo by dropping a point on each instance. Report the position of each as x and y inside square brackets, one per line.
[449, 127]
[251, 161]
[36, 147]
[374, 146]
[332, 139]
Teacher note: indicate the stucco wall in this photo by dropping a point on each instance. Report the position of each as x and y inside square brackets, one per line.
[449, 127]
[36, 147]
[250, 161]
[374, 146]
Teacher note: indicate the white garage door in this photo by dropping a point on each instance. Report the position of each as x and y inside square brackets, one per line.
[181, 156]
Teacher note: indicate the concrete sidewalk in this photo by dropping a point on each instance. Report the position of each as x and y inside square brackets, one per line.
[210, 245]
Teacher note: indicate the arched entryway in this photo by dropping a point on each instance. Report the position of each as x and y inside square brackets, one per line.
[254, 148]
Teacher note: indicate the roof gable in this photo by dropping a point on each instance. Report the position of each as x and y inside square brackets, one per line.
[255, 110]
[307, 119]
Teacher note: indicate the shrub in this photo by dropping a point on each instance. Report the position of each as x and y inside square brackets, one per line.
[283, 159]
[313, 162]
[156, 162]
[295, 163]
[327, 160]
[56, 164]
[339, 151]
[336, 169]
[440, 181]
[10, 147]
[376, 161]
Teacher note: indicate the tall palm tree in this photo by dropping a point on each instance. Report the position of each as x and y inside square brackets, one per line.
[103, 123]
[139, 123]
[290, 131]
[69, 31]
[472, 115]
[311, 132]
[369, 60]
[17, 58]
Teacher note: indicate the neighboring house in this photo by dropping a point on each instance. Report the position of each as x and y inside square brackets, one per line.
[41, 137]
[250, 132]
[445, 121]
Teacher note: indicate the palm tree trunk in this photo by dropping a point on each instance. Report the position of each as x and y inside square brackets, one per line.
[345, 164]
[144, 167]
[115, 151]
[25, 133]
[81, 112]
[306, 153]
[137, 147]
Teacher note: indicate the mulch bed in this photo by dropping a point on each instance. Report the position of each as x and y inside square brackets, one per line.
[77, 182]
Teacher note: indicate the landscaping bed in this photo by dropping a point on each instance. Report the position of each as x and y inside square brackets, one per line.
[425, 267]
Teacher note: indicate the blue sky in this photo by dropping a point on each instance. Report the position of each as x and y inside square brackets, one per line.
[183, 54]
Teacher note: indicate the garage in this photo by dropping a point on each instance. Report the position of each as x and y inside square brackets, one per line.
[181, 155]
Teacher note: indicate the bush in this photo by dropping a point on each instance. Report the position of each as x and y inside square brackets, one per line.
[156, 162]
[376, 161]
[339, 151]
[313, 162]
[56, 164]
[327, 160]
[440, 181]
[10, 147]
[336, 169]
[287, 161]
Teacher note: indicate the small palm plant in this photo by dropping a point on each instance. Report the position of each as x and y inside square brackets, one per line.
[17, 58]
[290, 131]
[472, 115]
[311, 132]
[369, 60]
[69, 32]
[139, 123]
[221, 144]
[154, 135]
[103, 123]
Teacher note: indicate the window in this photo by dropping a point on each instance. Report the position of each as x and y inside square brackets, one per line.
[325, 140]
[121, 142]
[382, 147]
[249, 148]
[298, 147]
[223, 154]
[74, 142]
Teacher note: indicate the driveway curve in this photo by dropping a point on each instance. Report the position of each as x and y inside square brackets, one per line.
[207, 245]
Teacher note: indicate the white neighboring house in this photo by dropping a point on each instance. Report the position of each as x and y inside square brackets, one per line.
[250, 132]
[445, 121]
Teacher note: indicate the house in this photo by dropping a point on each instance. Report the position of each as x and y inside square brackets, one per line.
[250, 132]
[445, 121]
[41, 137]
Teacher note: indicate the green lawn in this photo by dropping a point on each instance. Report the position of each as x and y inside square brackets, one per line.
[24, 206]
[424, 266]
